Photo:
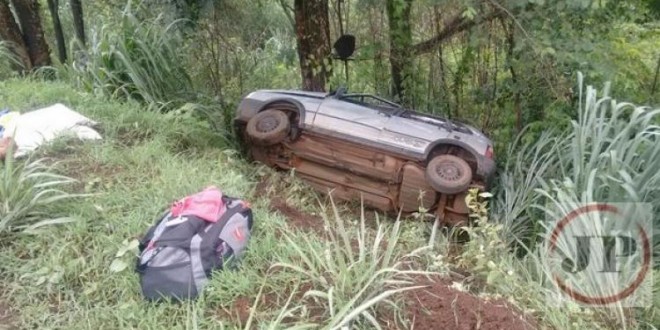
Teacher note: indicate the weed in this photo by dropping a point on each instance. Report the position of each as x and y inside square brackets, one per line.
[27, 191]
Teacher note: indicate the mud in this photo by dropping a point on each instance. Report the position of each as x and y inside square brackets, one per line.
[439, 306]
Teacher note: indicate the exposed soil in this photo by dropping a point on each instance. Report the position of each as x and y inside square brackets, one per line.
[242, 306]
[240, 309]
[296, 218]
[90, 174]
[438, 306]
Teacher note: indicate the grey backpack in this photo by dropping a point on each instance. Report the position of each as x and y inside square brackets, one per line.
[178, 254]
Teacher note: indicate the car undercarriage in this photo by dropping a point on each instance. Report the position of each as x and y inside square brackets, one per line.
[353, 172]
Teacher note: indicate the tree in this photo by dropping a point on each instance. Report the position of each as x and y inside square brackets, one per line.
[11, 33]
[402, 49]
[401, 57]
[53, 7]
[313, 39]
[78, 22]
[29, 19]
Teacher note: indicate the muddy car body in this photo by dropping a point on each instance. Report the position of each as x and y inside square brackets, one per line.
[363, 146]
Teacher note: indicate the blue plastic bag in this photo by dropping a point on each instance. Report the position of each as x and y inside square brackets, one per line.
[2, 113]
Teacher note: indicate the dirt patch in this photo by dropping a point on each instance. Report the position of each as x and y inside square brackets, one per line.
[240, 310]
[272, 302]
[296, 218]
[439, 303]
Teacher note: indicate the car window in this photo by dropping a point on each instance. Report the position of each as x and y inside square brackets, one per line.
[372, 101]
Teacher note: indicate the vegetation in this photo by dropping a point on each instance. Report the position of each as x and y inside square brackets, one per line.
[28, 191]
[164, 78]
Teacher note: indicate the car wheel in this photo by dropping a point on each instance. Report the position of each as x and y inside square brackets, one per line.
[449, 174]
[268, 127]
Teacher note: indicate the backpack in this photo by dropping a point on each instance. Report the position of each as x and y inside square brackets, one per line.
[180, 252]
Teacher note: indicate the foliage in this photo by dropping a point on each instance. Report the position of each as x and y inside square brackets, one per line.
[28, 191]
[348, 282]
[138, 59]
[556, 144]
[8, 60]
[139, 167]
[608, 154]
[487, 254]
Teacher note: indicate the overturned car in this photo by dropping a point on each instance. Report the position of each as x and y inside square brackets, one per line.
[364, 146]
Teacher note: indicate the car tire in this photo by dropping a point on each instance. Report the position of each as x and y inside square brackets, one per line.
[268, 127]
[449, 174]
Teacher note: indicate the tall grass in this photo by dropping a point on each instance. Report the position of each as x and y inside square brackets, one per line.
[8, 60]
[28, 191]
[352, 272]
[137, 58]
[609, 154]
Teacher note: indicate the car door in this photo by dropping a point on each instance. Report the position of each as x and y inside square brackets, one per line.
[409, 135]
[350, 120]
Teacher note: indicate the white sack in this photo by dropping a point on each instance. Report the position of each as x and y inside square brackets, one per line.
[34, 128]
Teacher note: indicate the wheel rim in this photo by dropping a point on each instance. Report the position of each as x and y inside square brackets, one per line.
[267, 124]
[449, 171]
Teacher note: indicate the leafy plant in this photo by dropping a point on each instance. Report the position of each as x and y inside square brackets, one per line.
[27, 191]
[351, 273]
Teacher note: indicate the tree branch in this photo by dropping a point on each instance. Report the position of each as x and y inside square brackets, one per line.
[456, 25]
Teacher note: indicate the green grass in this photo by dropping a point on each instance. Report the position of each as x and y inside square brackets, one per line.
[61, 277]
[78, 275]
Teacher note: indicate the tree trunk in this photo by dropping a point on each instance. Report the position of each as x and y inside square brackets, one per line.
[53, 7]
[11, 33]
[313, 38]
[511, 57]
[398, 13]
[78, 22]
[33, 33]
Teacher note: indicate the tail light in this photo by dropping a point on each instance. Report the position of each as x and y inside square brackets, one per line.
[489, 152]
